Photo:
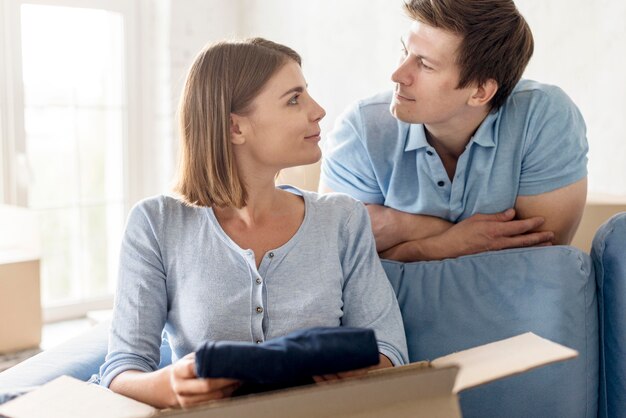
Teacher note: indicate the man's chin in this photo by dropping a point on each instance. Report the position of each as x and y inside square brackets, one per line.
[400, 115]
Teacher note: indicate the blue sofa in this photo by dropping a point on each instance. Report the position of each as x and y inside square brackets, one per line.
[558, 292]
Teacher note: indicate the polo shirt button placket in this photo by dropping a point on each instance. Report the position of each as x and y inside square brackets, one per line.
[441, 183]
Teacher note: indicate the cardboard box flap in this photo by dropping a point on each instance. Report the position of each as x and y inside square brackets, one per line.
[414, 390]
[66, 397]
[410, 391]
[504, 358]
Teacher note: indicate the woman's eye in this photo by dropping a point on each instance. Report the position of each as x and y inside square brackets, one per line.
[294, 100]
[425, 66]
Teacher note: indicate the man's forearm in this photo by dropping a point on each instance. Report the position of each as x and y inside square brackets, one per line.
[479, 233]
[392, 227]
[423, 249]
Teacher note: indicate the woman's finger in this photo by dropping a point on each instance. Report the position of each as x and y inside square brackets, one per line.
[184, 368]
[190, 387]
[187, 401]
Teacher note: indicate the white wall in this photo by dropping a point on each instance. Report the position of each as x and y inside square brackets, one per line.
[581, 46]
[172, 32]
[350, 48]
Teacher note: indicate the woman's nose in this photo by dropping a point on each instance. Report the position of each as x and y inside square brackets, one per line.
[318, 112]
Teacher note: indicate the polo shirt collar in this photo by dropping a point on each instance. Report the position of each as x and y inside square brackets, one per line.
[484, 136]
[416, 137]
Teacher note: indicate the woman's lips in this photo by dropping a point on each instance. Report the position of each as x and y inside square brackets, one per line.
[315, 137]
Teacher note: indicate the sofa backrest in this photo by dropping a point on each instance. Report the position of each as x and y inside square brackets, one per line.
[456, 304]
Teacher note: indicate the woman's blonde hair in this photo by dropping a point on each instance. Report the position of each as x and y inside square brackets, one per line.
[224, 78]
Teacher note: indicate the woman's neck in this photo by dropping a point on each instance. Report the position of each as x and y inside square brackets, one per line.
[263, 199]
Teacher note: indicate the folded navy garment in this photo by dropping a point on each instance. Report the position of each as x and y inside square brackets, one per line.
[289, 360]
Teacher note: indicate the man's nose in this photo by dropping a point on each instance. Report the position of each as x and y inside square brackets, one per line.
[401, 75]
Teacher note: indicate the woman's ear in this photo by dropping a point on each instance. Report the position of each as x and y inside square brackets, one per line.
[236, 134]
[484, 93]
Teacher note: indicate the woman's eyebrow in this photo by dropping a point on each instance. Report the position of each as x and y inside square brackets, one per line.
[297, 89]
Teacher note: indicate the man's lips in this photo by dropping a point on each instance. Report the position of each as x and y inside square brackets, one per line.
[402, 97]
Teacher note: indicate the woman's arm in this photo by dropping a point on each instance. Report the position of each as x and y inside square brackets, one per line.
[368, 299]
[173, 386]
[140, 309]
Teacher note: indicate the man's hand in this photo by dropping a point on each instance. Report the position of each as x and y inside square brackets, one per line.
[476, 234]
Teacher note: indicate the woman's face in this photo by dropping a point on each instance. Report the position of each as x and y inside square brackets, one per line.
[282, 130]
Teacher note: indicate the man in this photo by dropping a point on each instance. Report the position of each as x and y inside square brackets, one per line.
[462, 157]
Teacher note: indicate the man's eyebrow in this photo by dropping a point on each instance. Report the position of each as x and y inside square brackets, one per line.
[298, 89]
[423, 57]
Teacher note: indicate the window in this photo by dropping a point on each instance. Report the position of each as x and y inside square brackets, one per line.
[71, 149]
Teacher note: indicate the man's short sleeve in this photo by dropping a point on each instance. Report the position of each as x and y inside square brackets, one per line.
[556, 147]
[347, 166]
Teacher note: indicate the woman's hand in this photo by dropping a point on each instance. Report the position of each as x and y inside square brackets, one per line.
[173, 386]
[189, 391]
[384, 362]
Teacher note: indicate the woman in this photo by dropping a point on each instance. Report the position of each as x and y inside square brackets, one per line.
[234, 257]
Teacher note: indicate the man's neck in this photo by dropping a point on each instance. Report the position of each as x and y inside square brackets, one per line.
[451, 138]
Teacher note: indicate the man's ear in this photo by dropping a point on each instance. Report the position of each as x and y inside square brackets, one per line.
[236, 135]
[484, 93]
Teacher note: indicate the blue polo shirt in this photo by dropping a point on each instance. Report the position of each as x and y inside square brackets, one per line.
[535, 143]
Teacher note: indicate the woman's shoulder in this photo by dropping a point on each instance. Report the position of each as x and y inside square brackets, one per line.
[333, 208]
[165, 207]
[335, 202]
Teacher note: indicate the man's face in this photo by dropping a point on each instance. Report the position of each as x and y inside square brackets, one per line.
[427, 77]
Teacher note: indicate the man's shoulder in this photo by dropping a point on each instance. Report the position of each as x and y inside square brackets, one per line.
[533, 92]
[373, 117]
[379, 99]
[373, 107]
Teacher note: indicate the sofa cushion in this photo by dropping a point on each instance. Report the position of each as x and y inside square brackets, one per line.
[460, 303]
[609, 258]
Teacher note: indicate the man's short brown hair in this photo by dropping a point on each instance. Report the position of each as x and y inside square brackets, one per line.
[497, 42]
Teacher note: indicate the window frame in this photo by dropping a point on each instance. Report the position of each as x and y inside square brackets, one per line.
[14, 190]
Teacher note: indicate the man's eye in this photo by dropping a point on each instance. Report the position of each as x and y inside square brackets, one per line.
[426, 67]
[293, 100]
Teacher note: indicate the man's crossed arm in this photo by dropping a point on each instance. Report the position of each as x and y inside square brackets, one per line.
[545, 219]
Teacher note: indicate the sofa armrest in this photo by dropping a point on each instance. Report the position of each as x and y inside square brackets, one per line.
[608, 252]
[80, 357]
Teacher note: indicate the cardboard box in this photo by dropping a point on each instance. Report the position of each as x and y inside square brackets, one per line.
[20, 302]
[20, 296]
[426, 389]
